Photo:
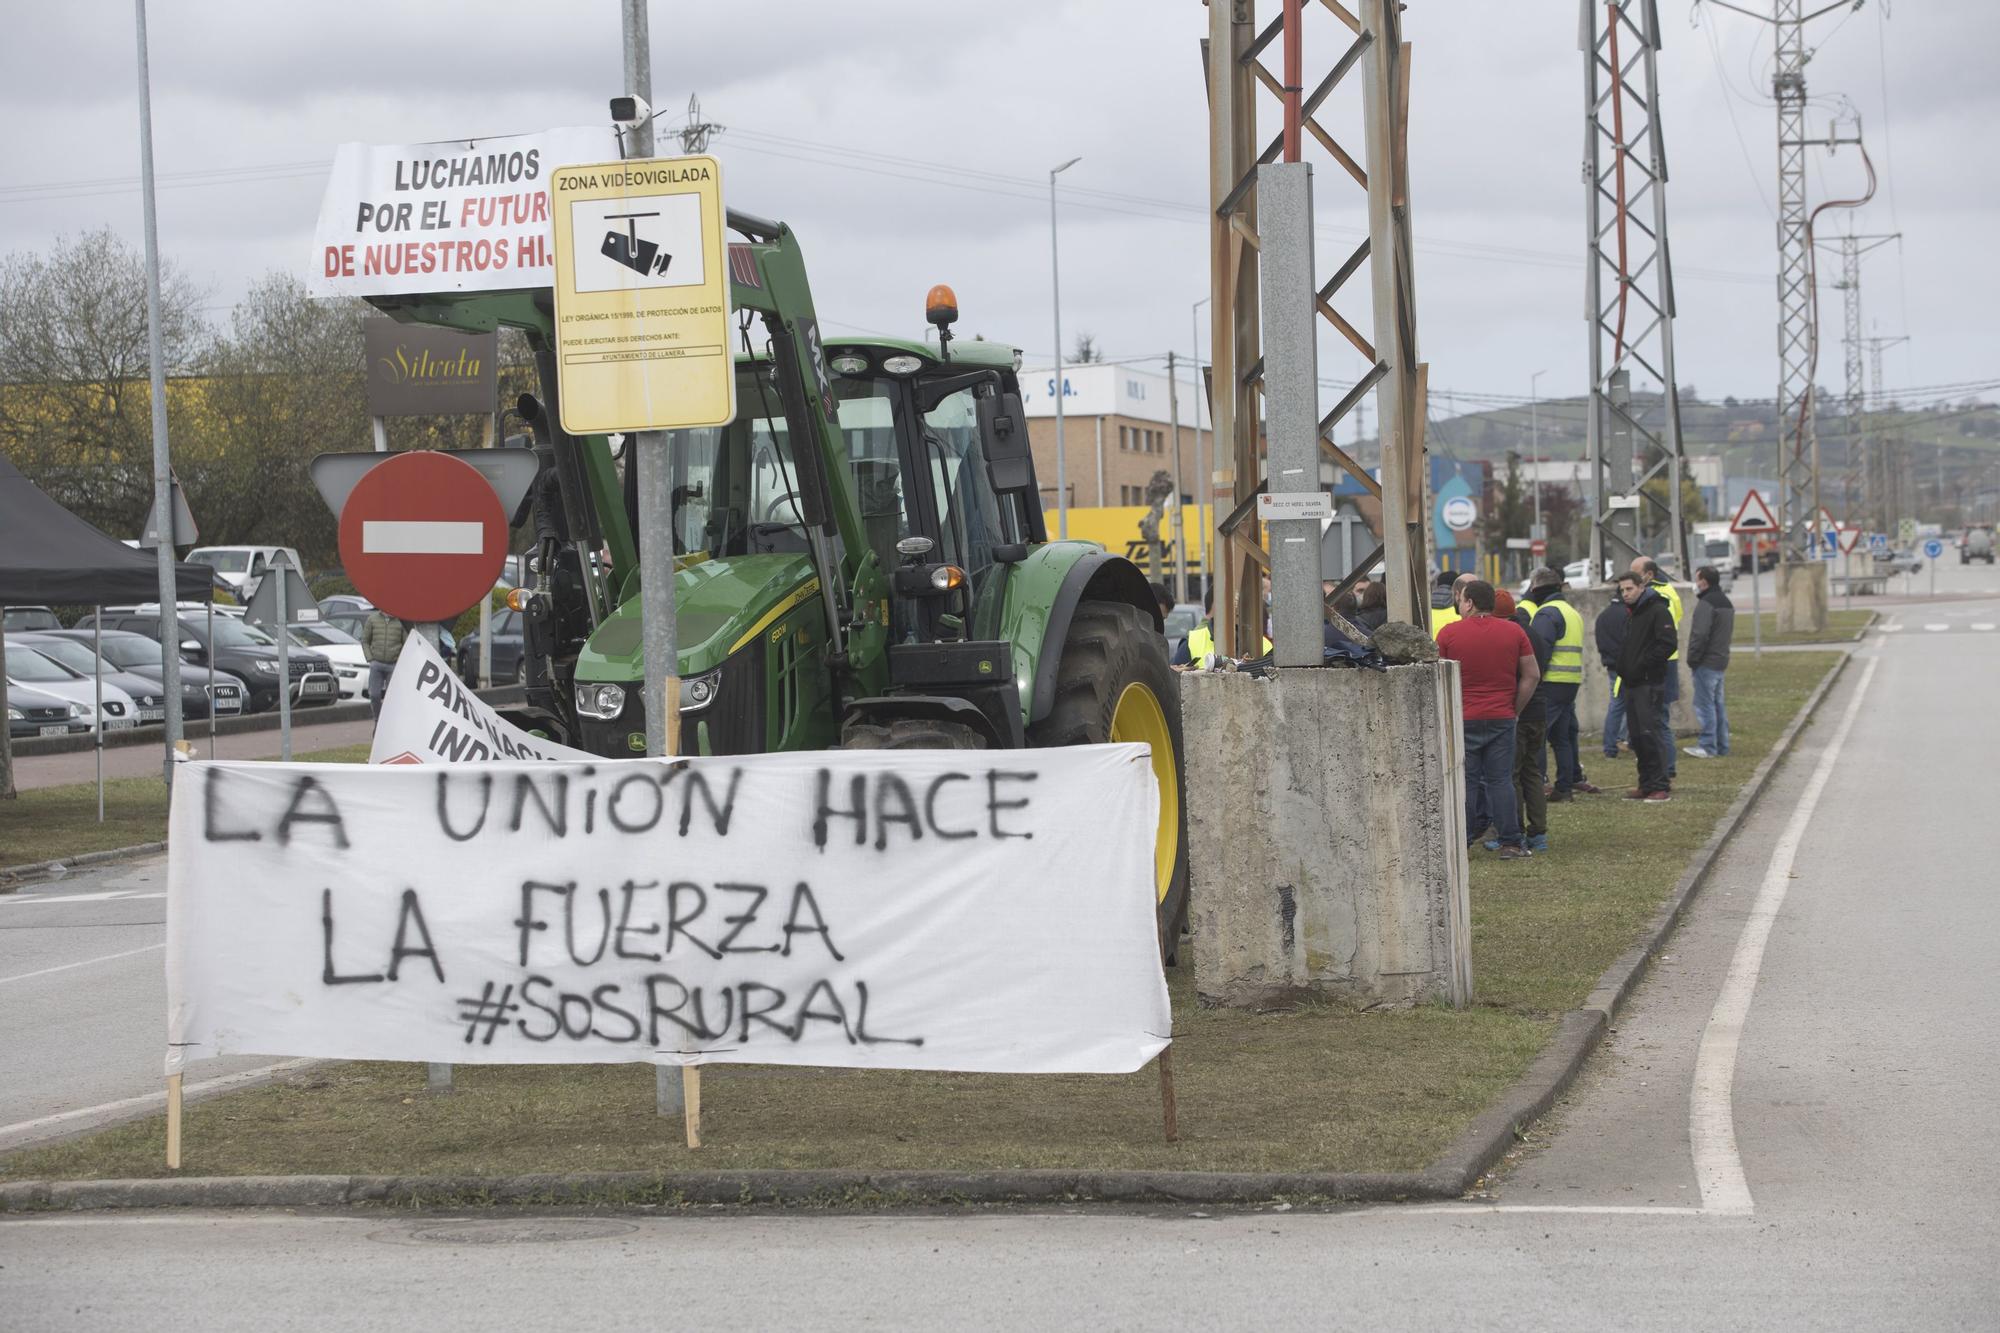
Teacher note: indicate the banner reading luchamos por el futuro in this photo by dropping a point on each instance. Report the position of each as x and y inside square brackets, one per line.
[924, 910]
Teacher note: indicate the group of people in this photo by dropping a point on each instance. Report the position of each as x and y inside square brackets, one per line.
[1521, 669]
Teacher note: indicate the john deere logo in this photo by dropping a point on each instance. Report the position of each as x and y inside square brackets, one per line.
[636, 742]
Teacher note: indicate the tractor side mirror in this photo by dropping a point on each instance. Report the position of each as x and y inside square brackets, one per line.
[1003, 429]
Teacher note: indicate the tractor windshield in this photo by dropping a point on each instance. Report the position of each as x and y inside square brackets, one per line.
[735, 487]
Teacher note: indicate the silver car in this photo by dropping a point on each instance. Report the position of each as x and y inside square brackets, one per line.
[148, 695]
[38, 671]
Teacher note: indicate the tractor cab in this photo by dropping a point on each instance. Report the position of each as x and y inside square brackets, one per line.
[934, 455]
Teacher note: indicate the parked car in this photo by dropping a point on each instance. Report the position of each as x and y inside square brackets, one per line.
[148, 697]
[39, 671]
[139, 654]
[244, 651]
[350, 664]
[343, 603]
[30, 712]
[18, 619]
[510, 658]
[1184, 617]
[1897, 562]
[241, 567]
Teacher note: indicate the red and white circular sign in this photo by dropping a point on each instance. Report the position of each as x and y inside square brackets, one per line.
[423, 536]
[1538, 548]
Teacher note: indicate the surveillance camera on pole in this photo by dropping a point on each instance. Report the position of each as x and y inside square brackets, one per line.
[631, 110]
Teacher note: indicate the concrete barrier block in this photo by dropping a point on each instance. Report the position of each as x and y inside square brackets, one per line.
[1326, 834]
[1595, 696]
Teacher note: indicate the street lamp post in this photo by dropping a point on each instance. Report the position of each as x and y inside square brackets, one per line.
[1055, 274]
[1535, 445]
[1204, 497]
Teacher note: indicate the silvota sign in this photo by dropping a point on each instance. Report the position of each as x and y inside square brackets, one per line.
[417, 369]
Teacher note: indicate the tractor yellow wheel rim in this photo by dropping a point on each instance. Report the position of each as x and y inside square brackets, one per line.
[1138, 717]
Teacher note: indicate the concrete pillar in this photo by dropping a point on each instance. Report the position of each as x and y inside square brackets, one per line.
[1802, 597]
[1595, 696]
[1326, 836]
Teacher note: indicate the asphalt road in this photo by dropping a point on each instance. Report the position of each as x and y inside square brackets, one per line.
[83, 1002]
[1789, 1128]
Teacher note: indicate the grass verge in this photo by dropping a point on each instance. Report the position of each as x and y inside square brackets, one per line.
[50, 823]
[1841, 627]
[1322, 1087]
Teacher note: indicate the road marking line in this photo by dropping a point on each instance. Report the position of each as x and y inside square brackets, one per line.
[1984, 624]
[1892, 627]
[1718, 1168]
[107, 958]
[1599, 1210]
[221, 1083]
[421, 537]
[1936, 628]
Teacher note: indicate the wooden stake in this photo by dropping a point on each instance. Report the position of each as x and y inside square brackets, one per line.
[691, 1099]
[173, 1122]
[1168, 1113]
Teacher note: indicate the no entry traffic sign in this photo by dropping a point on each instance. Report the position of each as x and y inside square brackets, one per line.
[423, 536]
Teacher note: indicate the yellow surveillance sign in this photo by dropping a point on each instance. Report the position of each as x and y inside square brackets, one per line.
[642, 296]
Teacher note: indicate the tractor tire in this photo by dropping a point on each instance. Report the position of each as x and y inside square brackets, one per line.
[911, 733]
[1111, 648]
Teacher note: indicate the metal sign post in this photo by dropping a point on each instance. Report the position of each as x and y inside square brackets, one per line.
[97, 689]
[283, 630]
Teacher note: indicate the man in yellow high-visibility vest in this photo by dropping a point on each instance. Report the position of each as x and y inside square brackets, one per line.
[1553, 619]
[1444, 598]
[1649, 570]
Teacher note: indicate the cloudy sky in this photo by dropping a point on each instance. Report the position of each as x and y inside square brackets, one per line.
[908, 143]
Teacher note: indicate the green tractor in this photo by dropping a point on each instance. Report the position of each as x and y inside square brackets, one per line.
[861, 557]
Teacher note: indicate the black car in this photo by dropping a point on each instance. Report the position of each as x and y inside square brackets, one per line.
[140, 655]
[510, 659]
[244, 651]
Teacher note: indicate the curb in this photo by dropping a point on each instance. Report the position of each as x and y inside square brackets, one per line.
[822, 1189]
[1457, 1170]
[151, 733]
[1489, 1137]
[12, 877]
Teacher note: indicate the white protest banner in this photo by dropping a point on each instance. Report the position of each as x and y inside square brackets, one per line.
[466, 215]
[430, 716]
[872, 909]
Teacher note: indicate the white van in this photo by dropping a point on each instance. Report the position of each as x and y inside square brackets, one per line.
[241, 567]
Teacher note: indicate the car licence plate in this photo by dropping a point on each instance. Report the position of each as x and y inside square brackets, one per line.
[317, 687]
[117, 723]
[152, 714]
[53, 731]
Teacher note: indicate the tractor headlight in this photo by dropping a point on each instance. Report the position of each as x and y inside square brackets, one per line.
[599, 701]
[698, 692]
[902, 365]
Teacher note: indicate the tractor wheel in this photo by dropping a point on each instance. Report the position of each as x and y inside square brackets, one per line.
[1113, 684]
[911, 733]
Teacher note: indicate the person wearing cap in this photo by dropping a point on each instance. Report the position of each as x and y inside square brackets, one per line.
[1670, 687]
[1445, 602]
[1552, 618]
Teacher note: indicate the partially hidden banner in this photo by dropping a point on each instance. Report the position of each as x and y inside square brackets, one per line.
[430, 716]
[464, 215]
[874, 909]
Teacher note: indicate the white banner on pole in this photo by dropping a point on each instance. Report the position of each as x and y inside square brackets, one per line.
[908, 909]
[465, 215]
[430, 716]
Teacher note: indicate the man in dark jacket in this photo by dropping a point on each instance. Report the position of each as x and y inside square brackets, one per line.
[1650, 643]
[1610, 632]
[1708, 657]
[1530, 734]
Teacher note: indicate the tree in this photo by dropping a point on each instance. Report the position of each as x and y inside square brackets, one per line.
[286, 385]
[1086, 349]
[75, 398]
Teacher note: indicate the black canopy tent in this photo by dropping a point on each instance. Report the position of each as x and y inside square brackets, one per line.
[50, 557]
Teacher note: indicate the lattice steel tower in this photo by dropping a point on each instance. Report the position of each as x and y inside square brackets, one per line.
[1629, 289]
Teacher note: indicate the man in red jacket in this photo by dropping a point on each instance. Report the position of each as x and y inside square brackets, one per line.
[1497, 676]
